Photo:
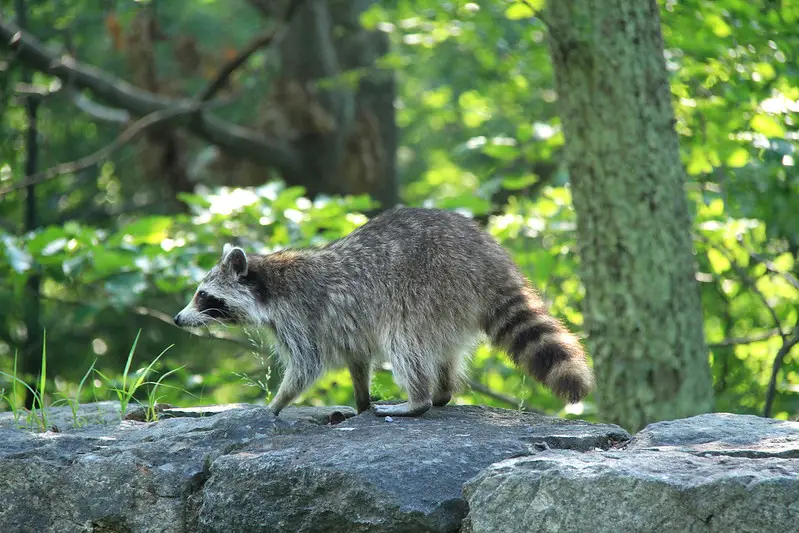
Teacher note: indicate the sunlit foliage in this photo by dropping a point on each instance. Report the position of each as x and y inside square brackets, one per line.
[478, 133]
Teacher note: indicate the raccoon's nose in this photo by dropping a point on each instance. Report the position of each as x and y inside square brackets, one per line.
[176, 318]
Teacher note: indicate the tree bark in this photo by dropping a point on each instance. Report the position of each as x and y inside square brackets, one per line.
[642, 307]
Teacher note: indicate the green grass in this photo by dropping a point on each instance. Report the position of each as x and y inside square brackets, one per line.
[131, 384]
[37, 416]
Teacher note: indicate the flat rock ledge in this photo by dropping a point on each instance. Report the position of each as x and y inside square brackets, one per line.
[238, 468]
[716, 472]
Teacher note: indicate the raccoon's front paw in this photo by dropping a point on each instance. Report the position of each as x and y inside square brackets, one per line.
[402, 409]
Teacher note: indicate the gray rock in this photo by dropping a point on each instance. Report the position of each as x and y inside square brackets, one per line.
[722, 434]
[239, 468]
[720, 472]
[63, 419]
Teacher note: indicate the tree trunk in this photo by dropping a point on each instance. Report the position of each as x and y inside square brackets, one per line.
[30, 366]
[345, 129]
[642, 308]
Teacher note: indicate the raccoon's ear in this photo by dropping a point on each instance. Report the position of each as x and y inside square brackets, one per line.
[226, 248]
[235, 259]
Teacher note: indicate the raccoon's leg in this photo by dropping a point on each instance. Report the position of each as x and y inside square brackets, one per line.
[451, 369]
[446, 379]
[361, 372]
[412, 373]
[295, 380]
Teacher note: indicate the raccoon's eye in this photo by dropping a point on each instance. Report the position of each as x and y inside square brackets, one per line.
[202, 295]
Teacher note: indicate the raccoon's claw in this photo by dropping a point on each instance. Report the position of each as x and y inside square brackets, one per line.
[402, 409]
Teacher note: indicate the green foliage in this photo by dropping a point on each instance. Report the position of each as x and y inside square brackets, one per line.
[478, 133]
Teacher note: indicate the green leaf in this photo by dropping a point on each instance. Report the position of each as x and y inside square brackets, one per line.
[718, 25]
[519, 11]
[150, 230]
[768, 126]
[20, 260]
[503, 152]
[766, 70]
[738, 158]
[373, 16]
[476, 108]
[107, 261]
[436, 98]
[718, 262]
[699, 162]
[43, 240]
[515, 183]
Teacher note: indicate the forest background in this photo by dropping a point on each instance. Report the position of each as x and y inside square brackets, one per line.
[185, 125]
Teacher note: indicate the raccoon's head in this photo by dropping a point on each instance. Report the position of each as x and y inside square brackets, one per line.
[225, 295]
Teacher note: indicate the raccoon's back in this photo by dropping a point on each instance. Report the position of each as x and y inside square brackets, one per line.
[422, 245]
[423, 264]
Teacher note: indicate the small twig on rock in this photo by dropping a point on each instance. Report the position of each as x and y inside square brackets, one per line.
[515, 402]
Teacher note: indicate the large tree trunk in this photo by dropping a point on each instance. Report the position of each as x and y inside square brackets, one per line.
[642, 307]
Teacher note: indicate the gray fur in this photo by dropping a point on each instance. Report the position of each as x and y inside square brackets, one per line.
[414, 287]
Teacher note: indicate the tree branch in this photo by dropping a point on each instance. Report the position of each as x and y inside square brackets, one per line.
[133, 131]
[787, 344]
[266, 38]
[789, 340]
[737, 341]
[771, 267]
[746, 280]
[99, 111]
[236, 140]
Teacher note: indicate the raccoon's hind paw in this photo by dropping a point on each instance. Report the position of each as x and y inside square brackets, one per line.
[402, 409]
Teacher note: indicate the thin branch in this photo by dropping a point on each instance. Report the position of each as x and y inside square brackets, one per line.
[789, 340]
[37, 92]
[540, 14]
[272, 35]
[771, 267]
[99, 111]
[41, 93]
[236, 140]
[132, 132]
[787, 345]
[747, 280]
[737, 341]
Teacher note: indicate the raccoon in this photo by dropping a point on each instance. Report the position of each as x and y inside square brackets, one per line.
[416, 287]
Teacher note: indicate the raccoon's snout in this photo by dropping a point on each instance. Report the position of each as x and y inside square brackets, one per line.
[176, 318]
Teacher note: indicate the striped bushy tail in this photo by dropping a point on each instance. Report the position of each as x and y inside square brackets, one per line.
[540, 344]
